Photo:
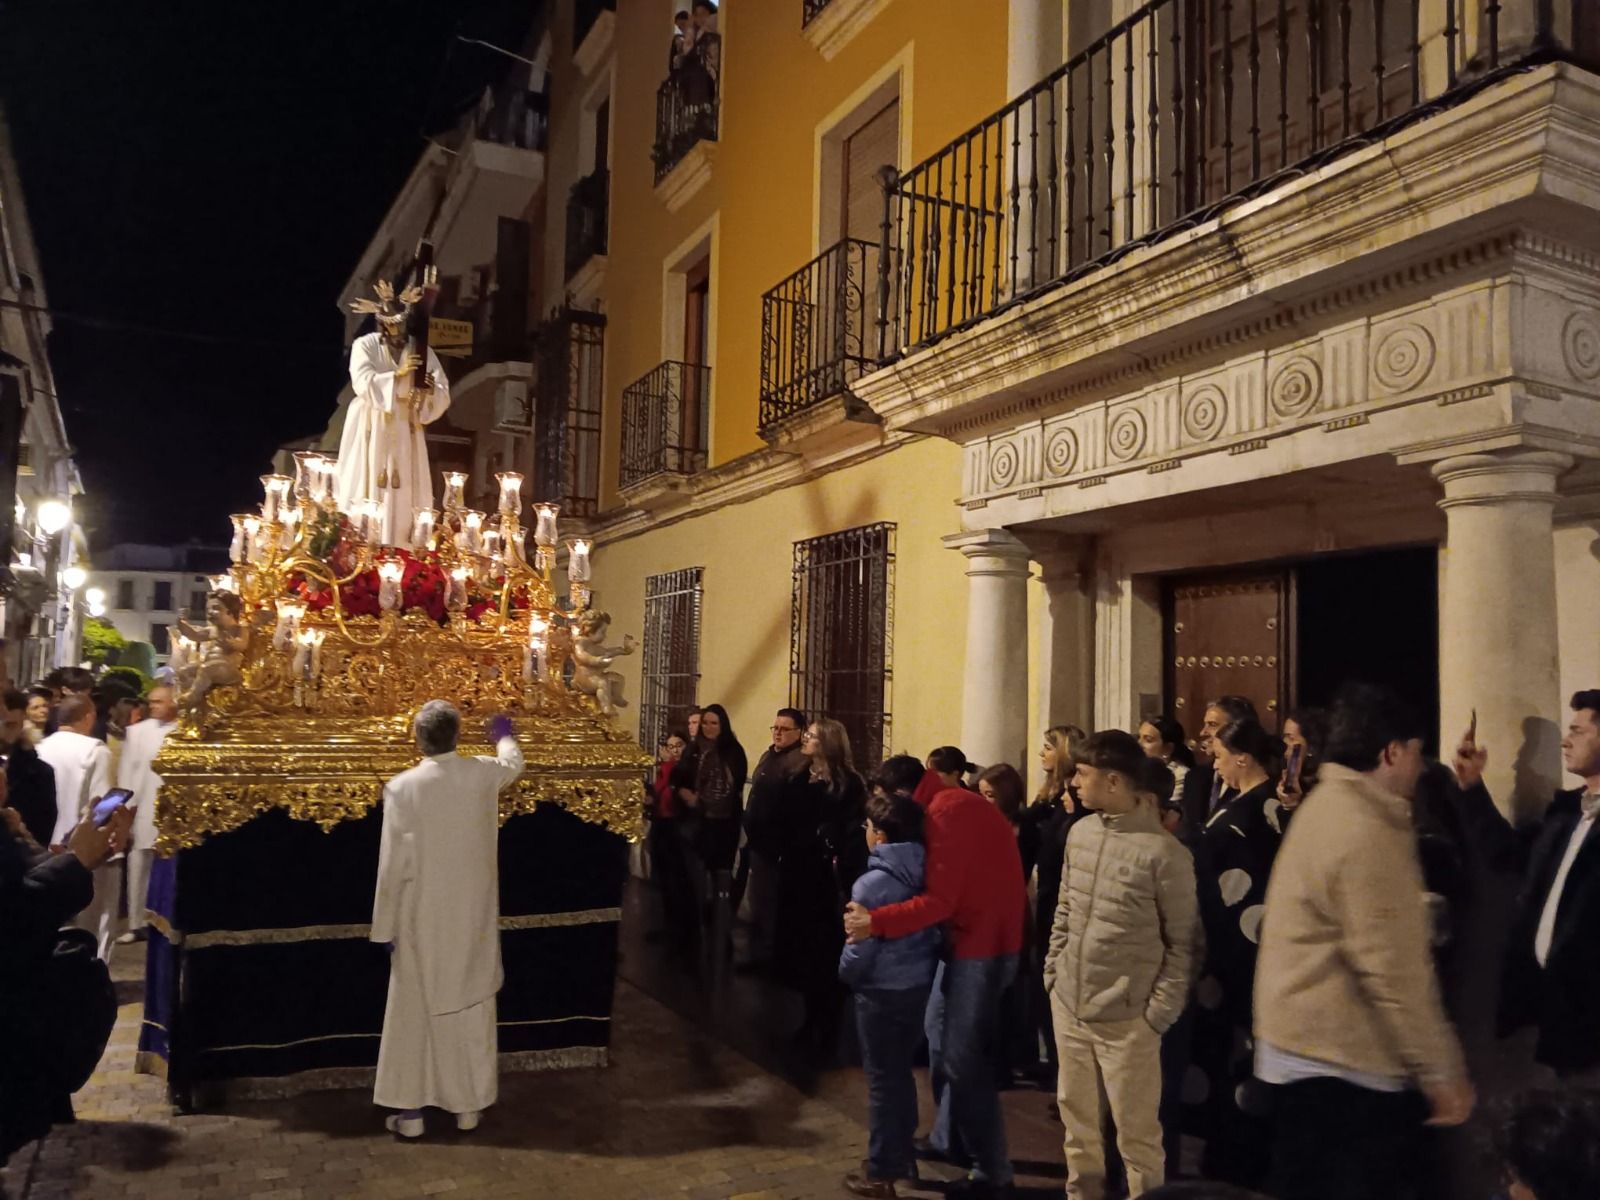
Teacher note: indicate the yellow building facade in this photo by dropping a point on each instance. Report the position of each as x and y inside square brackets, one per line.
[740, 212]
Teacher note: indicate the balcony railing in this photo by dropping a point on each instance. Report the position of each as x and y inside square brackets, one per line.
[566, 411]
[665, 423]
[811, 10]
[817, 330]
[686, 114]
[1182, 108]
[587, 213]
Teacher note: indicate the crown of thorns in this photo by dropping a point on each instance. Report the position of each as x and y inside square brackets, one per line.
[388, 307]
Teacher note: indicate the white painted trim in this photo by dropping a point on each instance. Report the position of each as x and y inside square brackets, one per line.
[837, 25]
[864, 102]
[685, 181]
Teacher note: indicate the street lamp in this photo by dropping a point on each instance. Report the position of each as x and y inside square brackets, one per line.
[54, 516]
[96, 597]
[75, 577]
[97, 608]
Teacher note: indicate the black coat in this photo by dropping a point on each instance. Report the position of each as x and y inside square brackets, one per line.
[821, 852]
[1560, 997]
[1045, 825]
[32, 790]
[772, 784]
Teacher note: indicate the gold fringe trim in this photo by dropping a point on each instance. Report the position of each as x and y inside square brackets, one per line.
[147, 1062]
[164, 927]
[326, 1079]
[338, 933]
[551, 1021]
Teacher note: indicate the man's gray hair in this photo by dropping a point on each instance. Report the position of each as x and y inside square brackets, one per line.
[438, 726]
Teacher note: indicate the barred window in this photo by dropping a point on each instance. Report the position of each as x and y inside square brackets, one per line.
[842, 634]
[566, 411]
[671, 685]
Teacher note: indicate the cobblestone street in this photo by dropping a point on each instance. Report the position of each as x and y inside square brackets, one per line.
[676, 1114]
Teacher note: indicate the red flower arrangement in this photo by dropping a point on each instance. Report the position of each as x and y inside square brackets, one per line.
[424, 587]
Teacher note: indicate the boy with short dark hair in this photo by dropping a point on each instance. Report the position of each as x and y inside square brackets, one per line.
[891, 980]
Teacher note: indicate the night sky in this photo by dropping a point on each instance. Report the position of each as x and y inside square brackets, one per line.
[216, 169]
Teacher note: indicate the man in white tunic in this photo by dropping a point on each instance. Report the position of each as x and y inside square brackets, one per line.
[134, 772]
[383, 453]
[82, 765]
[438, 908]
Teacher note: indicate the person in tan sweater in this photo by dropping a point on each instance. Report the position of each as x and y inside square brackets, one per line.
[1348, 1021]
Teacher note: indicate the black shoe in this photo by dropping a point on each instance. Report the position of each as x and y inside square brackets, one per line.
[975, 1189]
[926, 1149]
[858, 1183]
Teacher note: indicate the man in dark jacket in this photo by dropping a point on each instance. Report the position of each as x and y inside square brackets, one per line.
[31, 782]
[781, 764]
[1203, 792]
[1551, 975]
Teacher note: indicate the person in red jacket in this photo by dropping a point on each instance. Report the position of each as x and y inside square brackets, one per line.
[975, 890]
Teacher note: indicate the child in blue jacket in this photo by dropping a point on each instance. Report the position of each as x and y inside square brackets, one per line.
[891, 980]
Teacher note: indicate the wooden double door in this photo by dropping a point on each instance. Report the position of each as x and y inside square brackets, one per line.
[1229, 636]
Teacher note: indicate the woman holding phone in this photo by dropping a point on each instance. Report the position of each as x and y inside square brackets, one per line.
[1303, 732]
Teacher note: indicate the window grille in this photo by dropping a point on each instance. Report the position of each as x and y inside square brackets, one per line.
[842, 634]
[671, 677]
[567, 406]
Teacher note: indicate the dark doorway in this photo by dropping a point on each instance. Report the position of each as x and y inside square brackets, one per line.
[1372, 617]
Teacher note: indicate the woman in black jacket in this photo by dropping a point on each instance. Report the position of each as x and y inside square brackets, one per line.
[717, 798]
[823, 852]
[1233, 859]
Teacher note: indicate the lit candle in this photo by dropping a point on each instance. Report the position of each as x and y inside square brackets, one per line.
[238, 550]
[369, 521]
[544, 532]
[514, 549]
[510, 493]
[302, 655]
[454, 483]
[533, 660]
[491, 542]
[458, 587]
[306, 475]
[290, 613]
[422, 530]
[578, 560]
[291, 528]
[322, 484]
[314, 637]
[275, 490]
[472, 531]
[252, 539]
[390, 572]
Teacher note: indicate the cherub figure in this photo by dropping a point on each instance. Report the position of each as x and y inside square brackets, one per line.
[591, 657]
[221, 645]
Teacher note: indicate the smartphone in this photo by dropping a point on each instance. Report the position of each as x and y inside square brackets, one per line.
[113, 800]
[1472, 729]
[1291, 769]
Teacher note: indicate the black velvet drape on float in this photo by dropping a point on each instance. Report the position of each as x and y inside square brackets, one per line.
[260, 969]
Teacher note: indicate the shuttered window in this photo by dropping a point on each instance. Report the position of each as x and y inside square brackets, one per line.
[876, 144]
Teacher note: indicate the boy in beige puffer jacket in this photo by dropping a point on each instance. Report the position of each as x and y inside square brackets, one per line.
[1118, 968]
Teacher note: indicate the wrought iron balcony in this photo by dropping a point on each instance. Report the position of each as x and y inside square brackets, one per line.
[1178, 111]
[816, 330]
[588, 206]
[665, 423]
[566, 411]
[811, 10]
[686, 114]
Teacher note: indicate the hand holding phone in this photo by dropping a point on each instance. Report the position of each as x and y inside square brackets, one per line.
[1471, 758]
[108, 804]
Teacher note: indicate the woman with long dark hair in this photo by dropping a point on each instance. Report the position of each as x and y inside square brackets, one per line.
[1161, 736]
[669, 869]
[717, 799]
[1233, 859]
[824, 851]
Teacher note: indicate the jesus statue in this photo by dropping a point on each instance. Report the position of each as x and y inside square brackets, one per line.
[383, 455]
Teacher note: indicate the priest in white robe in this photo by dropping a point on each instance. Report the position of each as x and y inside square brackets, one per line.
[383, 451]
[136, 773]
[438, 908]
[82, 766]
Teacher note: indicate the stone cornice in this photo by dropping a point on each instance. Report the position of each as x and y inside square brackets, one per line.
[737, 481]
[1467, 176]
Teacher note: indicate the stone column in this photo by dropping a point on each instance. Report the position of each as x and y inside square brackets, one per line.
[1497, 622]
[1065, 655]
[994, 683]
[1033, 50]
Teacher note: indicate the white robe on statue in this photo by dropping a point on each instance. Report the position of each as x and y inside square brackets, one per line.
[438, 902]
[82, 765]
[383, 454]
[134, 772]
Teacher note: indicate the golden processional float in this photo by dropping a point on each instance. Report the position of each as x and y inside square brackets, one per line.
[296, 700]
